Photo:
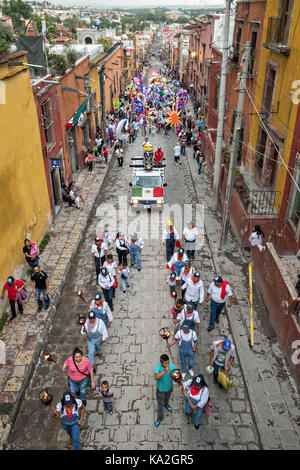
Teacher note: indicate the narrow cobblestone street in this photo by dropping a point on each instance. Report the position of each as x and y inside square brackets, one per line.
[134, 346]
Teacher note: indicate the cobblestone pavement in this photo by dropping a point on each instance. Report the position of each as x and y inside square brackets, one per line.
[25, 335]
[134, 346]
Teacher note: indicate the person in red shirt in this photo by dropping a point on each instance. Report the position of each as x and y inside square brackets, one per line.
[105, 154]
[13, 286]
[159, 155]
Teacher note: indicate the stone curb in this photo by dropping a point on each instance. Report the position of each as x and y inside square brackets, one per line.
[266, 435]
[37, 352]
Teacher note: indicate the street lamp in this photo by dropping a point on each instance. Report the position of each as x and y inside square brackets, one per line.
[193, 54]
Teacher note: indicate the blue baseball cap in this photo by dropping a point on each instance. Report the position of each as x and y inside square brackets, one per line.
[10, 280]
[68, 398]
[97, 239]
[181, 251]
[98, 297]
[91, 315]
[198, 381]
[218, 279]
[226, 344]
[104, 272]
[172, 275]
[189, 307]
[185, 326]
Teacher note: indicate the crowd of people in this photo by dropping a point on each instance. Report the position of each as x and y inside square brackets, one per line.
[184, 282]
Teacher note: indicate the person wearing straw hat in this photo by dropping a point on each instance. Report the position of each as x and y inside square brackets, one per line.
[218, 290]
[164, 386]
[187, 340]
[222, 354]
[136, 245]
[198, 394]
[71, 412]
[169, 238]
[96, 332]
[194, 293]
[189, 238]
[101, 310]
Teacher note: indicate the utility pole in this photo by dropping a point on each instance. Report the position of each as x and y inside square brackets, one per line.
[236, 141]
[102, 96]
[221, 111]
[180, 58]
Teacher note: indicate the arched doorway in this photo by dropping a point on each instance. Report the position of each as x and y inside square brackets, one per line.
[88, 40]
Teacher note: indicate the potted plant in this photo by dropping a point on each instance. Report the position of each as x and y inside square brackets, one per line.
[226, 156]
[238, 177]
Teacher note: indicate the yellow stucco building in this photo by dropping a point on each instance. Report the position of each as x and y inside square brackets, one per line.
[279, 67]
[24, 202]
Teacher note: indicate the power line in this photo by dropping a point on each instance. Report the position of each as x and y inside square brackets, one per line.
[271, 139]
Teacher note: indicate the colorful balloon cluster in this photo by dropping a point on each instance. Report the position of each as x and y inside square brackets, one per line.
[162, 100]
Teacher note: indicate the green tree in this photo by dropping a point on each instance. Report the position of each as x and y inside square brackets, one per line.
[107, 43]
[73, 23]
[17, 9]
[6, 38]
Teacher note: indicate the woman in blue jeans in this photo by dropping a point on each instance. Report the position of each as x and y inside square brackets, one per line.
[71, 412]
[80, 371]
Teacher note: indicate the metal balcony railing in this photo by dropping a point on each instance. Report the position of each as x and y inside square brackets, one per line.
[277, 35]
[260, 202]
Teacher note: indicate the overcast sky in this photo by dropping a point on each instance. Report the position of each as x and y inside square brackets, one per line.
[143, 3]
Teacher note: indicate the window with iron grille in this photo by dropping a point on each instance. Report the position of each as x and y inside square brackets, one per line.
[48, 123]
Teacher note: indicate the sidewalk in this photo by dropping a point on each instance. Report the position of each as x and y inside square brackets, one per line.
[273, 393]
[24, 337]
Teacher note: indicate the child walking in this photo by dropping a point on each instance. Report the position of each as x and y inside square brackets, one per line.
[125, 278]
[107, 396]
[172, 283]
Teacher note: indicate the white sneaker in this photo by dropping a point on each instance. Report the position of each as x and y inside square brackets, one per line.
[183, 374]
[191, 372]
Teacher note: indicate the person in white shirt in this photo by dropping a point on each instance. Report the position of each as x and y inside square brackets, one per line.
[122, 247]
[190, 316]
[106, 281]
[187, 340]
[101, 310]
[169, 238]
[177, 261]
[136, 245]
[96, 332]
[194, 290]
[256, 236]
[189, 237]
[111, 266]
[146, 142]
[106, 238]
[99, 254]
[218, 290]
[177, 153]
[198, 394]
[186, 272]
